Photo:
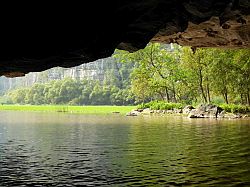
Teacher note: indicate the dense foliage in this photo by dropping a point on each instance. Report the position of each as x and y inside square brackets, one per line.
[167, 73]
[233, 108]
[72, 92]
[180, 74]
[160, 105]
[109, 86]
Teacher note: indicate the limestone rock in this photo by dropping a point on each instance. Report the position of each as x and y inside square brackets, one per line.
[133, 113]
[187, 109]
[35, 38]
[205, 111]
[147, 111]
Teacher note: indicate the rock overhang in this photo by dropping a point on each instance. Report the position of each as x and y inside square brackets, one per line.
[40, 37]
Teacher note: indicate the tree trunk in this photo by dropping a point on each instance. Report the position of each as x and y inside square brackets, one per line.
[248, 97]
[241, 99]
[161, 94]
[201, 86]
[167, 94]
[208, 91]
[225, 95]
[226, 98]
[174, 93]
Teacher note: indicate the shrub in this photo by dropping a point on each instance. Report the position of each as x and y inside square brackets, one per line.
[160, 105]
[233, 108]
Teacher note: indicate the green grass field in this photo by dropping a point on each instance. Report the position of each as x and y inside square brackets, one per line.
[70, 109]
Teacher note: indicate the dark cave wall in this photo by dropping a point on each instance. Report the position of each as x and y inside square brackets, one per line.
[42, 36]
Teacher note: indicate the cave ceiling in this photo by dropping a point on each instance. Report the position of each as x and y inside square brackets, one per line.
[41, 36]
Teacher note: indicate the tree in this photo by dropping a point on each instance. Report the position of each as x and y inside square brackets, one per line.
[241, 63]
[159, 72]
[197, 63]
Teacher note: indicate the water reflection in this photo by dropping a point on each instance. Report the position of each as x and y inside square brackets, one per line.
[41, 149]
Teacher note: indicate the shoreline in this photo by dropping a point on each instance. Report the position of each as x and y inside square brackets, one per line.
[117, 110]
[102, 109]
[204, 111]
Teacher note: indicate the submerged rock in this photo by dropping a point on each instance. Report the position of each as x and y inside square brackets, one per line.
[194, 114]
[231, 116]
[134, 112]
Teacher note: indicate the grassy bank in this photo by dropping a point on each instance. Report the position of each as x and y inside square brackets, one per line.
[162, 105]
[243, 109]
[70, 109]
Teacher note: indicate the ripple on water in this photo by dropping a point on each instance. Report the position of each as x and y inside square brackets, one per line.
[130, 152]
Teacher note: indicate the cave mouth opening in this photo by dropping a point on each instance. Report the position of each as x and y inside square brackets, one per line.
[166, 72]
[105, 146]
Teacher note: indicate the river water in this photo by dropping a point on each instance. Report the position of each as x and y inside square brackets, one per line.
[43, 149]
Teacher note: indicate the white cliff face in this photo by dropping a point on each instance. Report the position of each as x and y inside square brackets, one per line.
[91, 71]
